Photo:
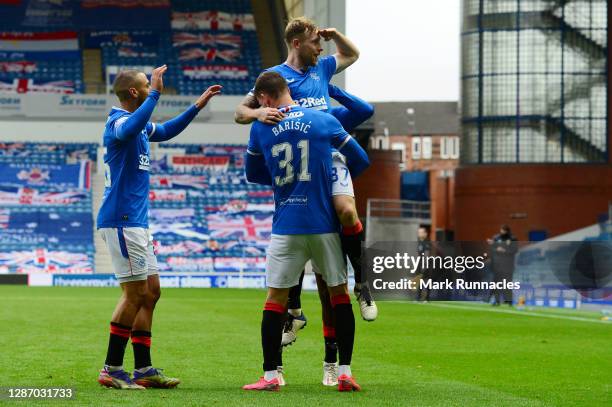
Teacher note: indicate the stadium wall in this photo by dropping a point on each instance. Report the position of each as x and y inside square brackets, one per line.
[609, 100]
[381, 180]
[556, 198]
[215, 125]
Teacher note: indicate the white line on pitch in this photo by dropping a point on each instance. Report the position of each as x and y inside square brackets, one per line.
[514, 312]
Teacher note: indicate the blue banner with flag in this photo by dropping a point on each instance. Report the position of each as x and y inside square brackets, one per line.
[57, 176]
[34, 227]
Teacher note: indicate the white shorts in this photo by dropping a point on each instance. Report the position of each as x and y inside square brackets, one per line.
[342, 183]
[131, 251]
[287, 255]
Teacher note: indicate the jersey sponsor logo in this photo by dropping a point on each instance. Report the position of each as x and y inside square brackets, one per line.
[317, 103]
[143, 162]
[295, 200]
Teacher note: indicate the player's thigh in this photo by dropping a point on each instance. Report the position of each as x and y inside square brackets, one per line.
[152, 269]
[135, 291]
[321, 284]
[323, 291]
[128, 250]
[285, 259]
[327, 258]
[341, 289]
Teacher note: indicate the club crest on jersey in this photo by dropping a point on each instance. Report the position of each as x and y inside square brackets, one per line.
[314, 76]
[143, 162]
[140, 261]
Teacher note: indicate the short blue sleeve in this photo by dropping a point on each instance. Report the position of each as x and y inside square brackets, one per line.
[328, 66]
[253, 147]
[150, 129]
[336, 131]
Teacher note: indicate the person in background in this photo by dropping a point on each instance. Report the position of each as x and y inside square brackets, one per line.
[423, 249]
[503, 249]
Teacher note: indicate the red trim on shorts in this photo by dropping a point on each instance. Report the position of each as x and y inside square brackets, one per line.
[352, 230]
[340, 299]
[329, 331]
[122, 332]
[144, 340]
[272, 306]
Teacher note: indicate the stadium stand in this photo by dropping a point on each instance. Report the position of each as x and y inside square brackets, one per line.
[46, 222]
[201, 41]
[204, 215]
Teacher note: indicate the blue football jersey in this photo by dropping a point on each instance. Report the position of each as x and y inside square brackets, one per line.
[309, 88]
[297, 156]
[127, 165]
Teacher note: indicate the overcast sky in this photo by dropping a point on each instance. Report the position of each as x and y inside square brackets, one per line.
[409, 49]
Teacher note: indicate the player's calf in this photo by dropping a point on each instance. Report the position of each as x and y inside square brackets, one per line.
[330, 363]
[271, 332]
[351, 238]
[345, 335]
[296, 320]
[127, 308]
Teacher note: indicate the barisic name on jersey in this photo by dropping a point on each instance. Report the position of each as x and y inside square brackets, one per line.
[291, 125]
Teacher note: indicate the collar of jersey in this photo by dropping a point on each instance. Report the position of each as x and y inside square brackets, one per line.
[297, 70]
[118, 108]
[287, 108]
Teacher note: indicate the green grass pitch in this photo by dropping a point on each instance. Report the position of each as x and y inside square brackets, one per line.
[413, 355]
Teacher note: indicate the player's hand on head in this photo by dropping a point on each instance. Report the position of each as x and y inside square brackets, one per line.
[327, 33]
[157, 82]
[207, 95]
[269, 115]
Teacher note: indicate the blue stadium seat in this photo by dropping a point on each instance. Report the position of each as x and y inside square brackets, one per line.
[45, 225]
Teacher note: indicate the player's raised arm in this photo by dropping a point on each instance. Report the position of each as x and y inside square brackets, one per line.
[249, 110]
[173, 127]
[129, 89]
[346, 52]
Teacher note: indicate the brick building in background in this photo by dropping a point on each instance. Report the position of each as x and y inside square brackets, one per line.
[426, 134]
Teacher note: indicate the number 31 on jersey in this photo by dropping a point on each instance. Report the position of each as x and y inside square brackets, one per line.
[286, 151]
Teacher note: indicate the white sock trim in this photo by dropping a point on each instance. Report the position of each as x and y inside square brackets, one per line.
[344, 369]
[296, 312]
[271, 374]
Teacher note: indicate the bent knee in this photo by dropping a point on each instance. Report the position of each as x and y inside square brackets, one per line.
[154, 295]
[137, 298]
[341, 289]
